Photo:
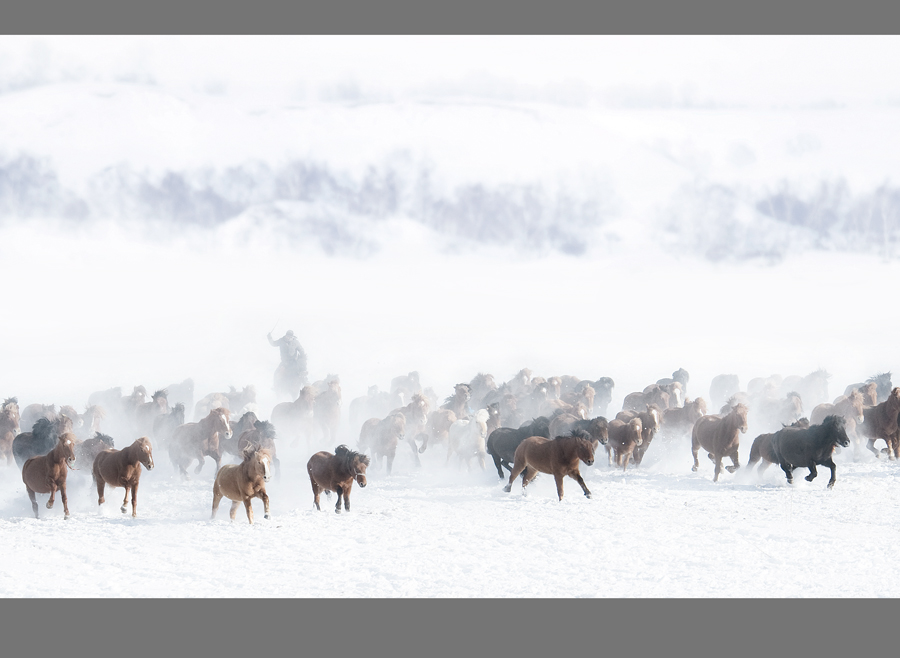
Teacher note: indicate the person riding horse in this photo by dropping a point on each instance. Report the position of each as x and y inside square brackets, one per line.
[291, 374]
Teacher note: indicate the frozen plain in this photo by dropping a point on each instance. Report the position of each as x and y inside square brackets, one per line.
[102, 304]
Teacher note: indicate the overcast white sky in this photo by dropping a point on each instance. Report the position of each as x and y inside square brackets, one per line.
[759, 71]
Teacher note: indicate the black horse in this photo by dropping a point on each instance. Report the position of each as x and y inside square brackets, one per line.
[795, 447]
[41, 439]
[503, 441]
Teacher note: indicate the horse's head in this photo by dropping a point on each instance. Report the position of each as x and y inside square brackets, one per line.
[358, 466]
[599, 431]
[145, 452]
[740, 411]
[836, 428]
[857, 404]
[221, 422]
[636, 430]
[160, 400]
[584, 447]
[259, 460]
[66, 447]
[655, 417]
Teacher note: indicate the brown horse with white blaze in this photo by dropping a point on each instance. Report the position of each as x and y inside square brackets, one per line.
[336, 472]
[122, 468]
[47, 473]
[243, 482]
[559, 456]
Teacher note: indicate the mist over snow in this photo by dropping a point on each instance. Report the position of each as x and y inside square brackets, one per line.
[403, 209]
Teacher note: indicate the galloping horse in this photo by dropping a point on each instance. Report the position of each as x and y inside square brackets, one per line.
[559, 456]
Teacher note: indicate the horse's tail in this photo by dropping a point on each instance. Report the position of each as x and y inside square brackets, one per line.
[754, 451]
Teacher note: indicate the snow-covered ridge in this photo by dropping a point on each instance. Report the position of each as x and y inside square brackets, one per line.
[719, 183]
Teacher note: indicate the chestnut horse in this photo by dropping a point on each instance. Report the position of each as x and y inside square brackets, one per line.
[720, 437]
[336, 472]
[9, 427]
[559, 456]
[243, 482]
[881, 423]
[624, 437]
[200, 440]
[41, 439]
[122, 468]
[47, 473]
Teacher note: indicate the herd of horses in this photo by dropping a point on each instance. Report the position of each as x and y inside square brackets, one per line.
[527, 425]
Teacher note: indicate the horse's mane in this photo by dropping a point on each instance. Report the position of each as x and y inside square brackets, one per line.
[160, 393]
[265, 428]
[578, 434]
[346, 457]
[11, 401]
[108, 440]
[43, 428]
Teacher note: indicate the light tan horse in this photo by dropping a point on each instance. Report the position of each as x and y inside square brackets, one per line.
[9, 428]
[47, 474]
[243, 482]
[122, 468]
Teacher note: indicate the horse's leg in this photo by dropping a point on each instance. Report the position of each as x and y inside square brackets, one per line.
[65, 500]
[870, 444]
[558, 477]
[52, 495]
[200, 460]
[101, 485]
[788, 471]
[134, 500]
[609, 455]
[124, 507]
[518, 467]
[390, 460]
[340, 493]
[580, 480]
[347, 496]
[34, 505]
[217, 498]
[718, 460]
[695, 448]
[527, 476]
[830, 464]
[812, 470]
[265, 498]
[734, 461]
[249, 509]
[411, 440]
[498, 464]
[233, 511]
[316, 491]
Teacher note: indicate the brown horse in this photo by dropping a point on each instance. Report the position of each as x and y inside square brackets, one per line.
[415, 416]
[881, 423]
[437, 429]
[243, 482]
[651, 421]
[336, 472]
[382, 437]
[720, 437]
[244, 424]
[47, 473]
[679, 422]
[9, 428]
[467, 438]
[559, 456]
[145, 414]
[200, 440]
[458, 402]
[850, 407]
[122, 468]
[623, 439]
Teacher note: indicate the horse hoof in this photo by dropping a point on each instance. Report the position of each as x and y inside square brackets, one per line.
[67, 517]
[337, 511]
[123, 509]
[588, 495]
[694, 469]
[731, 469]
[507, 489]
[268, 517]
[49, 504]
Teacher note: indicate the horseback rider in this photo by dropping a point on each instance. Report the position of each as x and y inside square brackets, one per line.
[293, 358]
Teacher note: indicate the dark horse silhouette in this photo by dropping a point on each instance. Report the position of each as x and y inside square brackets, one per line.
[794, 447]
[503, 441]
[41, 439]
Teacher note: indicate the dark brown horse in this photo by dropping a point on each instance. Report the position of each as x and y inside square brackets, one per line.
[720, 437]
[47, 473]
[244, 424]
[559, 456]
[200, 440]
[794, 448]
[881, 423]
[122, 468]
[243, 482]
[86, 451]
[651, 421]
[336, 472]
[9, 428]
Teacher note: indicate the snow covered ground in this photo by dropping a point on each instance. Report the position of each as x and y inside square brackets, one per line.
[121, 299]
